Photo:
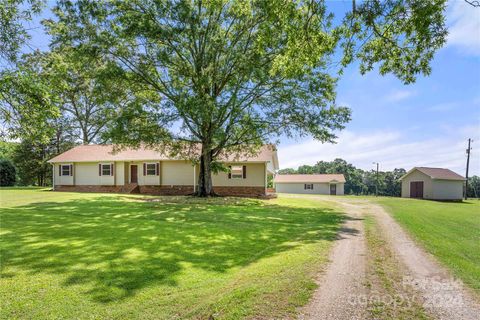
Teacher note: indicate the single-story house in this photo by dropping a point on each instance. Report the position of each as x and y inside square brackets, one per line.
[432, 183]
[332, 184]
[97, 168]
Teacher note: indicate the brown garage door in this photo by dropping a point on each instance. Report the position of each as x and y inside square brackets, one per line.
[416, 189]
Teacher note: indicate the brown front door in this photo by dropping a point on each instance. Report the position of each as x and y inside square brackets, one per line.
[133, 173]
[333, 189]
[416, 189]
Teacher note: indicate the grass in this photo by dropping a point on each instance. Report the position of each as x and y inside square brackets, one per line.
[105, 256]
[448, 230]
[388, 297]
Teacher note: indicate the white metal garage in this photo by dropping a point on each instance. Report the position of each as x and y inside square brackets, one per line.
[432, 183]
[332, 184]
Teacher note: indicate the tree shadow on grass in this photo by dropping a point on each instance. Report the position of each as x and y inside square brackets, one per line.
[116, 247]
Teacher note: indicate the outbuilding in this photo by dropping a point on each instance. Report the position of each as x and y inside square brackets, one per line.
[432, 183]
[332, 184]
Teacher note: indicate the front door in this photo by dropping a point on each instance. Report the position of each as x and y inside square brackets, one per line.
[133, 173]
[416, 189]
[333, 189]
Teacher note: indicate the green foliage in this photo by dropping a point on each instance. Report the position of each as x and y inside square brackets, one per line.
[13, 16]
[473, 187]
[400, 36]
[6, 149]
[27, 103]
[30, 160]
[7, 173]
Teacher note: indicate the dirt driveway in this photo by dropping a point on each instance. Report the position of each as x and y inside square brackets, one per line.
[349, 282]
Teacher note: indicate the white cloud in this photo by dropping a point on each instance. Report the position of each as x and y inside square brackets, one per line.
[399, 95]
[464, 27]
[443, 107]
[390, 148]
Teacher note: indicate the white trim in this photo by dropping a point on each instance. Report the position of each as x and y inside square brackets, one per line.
[109, 168]
[146, 169]
[70, 168]
[194, 177]
[53, 176]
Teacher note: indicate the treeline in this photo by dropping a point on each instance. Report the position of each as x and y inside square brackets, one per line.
[364, 182]
[25, 163]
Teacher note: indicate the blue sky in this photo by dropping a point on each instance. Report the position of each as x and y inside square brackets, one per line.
[422, 124]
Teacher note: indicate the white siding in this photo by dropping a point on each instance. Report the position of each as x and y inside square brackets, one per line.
[340, 189]
[417, 176]
[119, 173]
[87, 174]
[177, 173]
[447, 189]
[171, 173]
[318, 188]
[62, 180]
[255, 176]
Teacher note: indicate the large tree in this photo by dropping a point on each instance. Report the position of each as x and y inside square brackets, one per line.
[14, 14]
[86, 89]
[232, 75]
[27, 105]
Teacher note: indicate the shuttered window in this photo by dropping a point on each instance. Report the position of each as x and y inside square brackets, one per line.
[151, 169]
[308, 186]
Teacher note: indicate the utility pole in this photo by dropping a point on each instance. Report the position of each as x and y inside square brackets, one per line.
[468, 164]
[376, 178]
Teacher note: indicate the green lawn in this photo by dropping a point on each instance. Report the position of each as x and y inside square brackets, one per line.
[68, 255]
[448, 230]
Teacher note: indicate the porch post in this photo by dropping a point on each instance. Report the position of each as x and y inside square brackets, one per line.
[266, 180]
[194, 177]
[53, 176]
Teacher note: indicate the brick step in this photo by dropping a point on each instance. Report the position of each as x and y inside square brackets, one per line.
[130, 188]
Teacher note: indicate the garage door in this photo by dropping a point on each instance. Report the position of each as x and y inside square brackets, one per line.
[416, 189]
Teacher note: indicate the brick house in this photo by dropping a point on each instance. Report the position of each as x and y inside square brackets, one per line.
[97, 168]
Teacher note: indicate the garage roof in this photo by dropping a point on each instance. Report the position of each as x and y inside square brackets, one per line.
[308, 178]
[437, 173]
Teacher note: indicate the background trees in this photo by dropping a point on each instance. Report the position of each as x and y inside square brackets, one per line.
[7, 173]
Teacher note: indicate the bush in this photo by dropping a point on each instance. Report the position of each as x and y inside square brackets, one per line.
[7, 173]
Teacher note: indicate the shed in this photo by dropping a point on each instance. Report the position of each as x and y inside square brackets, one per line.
[332, 184]
[432, 183]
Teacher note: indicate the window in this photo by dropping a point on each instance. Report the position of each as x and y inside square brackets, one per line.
[151, 169]
[65, 170]
[308, 186]
[236, 172]
[106, 170]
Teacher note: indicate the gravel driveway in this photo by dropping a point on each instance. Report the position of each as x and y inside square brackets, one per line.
[443, 297]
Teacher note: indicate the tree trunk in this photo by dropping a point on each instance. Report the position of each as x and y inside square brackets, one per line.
[205, 188]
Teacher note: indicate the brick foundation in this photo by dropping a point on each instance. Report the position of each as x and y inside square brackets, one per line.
[240, 191]
[90, 188]
[168, 190]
